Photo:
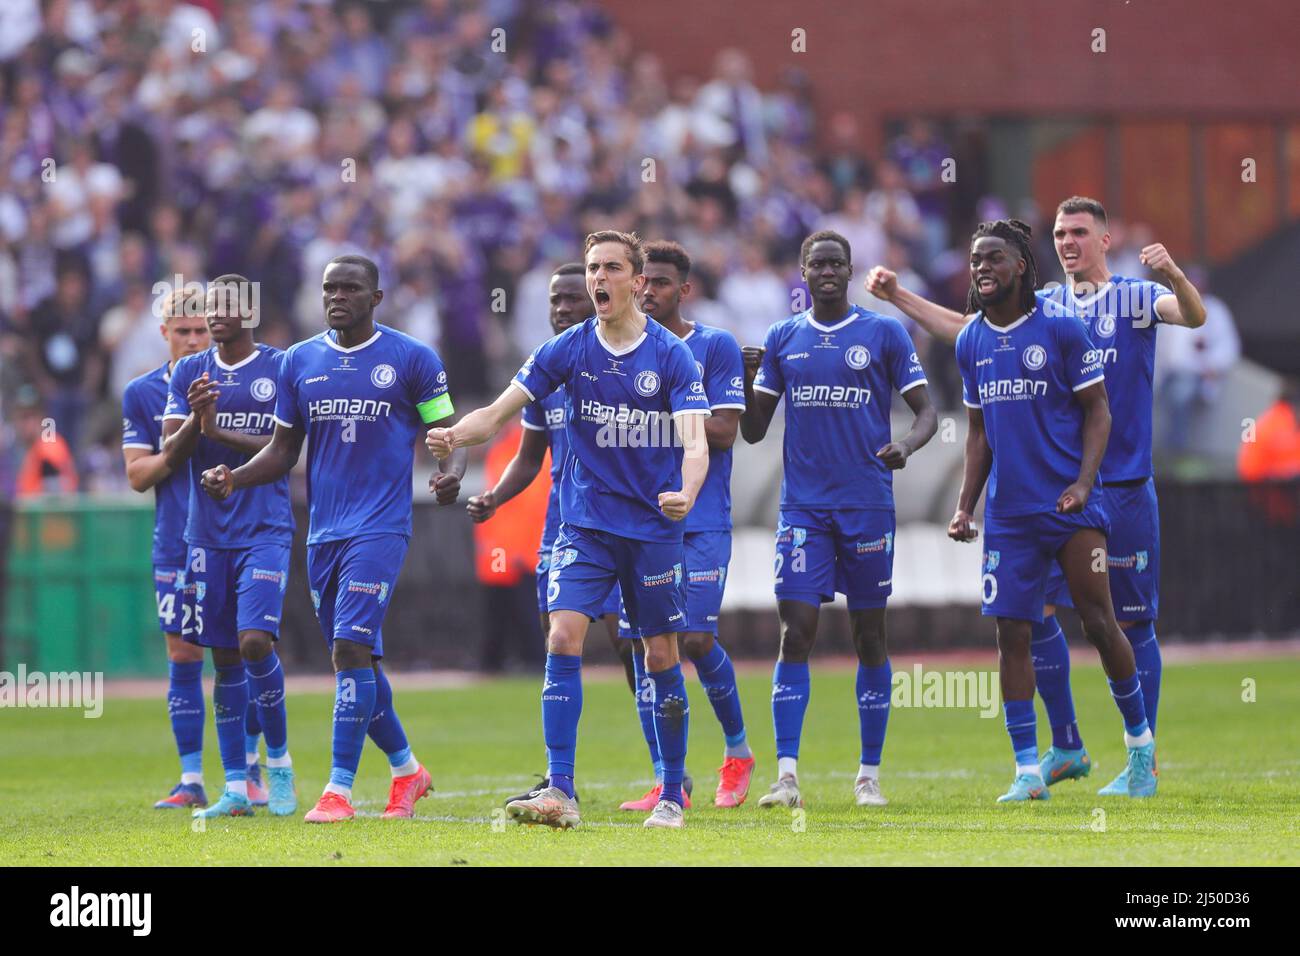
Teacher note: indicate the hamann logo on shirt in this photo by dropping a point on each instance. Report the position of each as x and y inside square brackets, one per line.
[329, 409]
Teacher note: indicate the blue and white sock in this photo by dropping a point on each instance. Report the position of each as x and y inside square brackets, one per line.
[387, 732]
[252, 729]
[561, 709]
[1128, 698]
[1146, 653]
[718, 676]
[645, 712]
[790, 690]
[354, 703]
[1051, 656]
[185, 709]
[229, 709]
[672, 721]
[266, 688]
[874, 687]
[1022, 726]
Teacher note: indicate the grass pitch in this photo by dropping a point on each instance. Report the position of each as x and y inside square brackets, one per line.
[79, 792]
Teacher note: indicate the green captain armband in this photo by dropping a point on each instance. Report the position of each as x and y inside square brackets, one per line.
[435, 409]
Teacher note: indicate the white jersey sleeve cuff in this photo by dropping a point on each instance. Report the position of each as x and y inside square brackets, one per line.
[523, 388]
[134, 444]
[919, 381]
[1091, 381]
[175, 416]
[766, 390]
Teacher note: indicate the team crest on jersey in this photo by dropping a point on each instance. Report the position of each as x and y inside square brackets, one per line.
[1035, 357]
[263, 389]
[857, 357]
[647, 382]
[382, 376]
[991, 561]
[1106, 326]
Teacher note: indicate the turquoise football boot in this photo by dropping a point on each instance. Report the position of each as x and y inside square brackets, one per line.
[282, 798]
[231, 804]
[1117, 787]
[1058, 765]
[1142, 770]
[1025, 787]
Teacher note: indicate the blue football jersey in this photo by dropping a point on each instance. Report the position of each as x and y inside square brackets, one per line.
[548, 415]
[1023, 377]
[619, 408]
[363, 409]
[143, 404]
[838, 382]
[1121, 320]
[722, 369]
[259, 515]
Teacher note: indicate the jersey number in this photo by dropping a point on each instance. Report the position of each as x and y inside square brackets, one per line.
[166, 607]
[197, 613]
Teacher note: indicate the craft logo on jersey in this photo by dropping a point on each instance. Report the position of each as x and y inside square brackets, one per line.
[991, 561]
[382, 376]
[263, 389]
[857, 357]
[1035, 357]
[1106, 326]
[647, 382]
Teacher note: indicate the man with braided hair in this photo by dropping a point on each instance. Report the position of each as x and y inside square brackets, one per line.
[1121, 315]
[1039, 420]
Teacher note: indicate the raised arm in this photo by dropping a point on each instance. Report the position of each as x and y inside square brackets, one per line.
[943, 324]
[760, 404]
[1096, 432]
[518, 475]
[479, 425]
[975, 472]
[1186, 308]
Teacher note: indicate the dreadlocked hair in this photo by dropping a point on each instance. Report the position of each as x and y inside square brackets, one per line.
[1017, 233]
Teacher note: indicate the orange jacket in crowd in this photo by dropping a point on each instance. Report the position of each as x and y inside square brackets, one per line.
[1275, 452]
[44, 460]
[506, 546]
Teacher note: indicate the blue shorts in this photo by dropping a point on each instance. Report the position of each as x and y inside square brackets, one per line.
[351, 581]
[613, 601]
[820, 552]
[707, 555]
[228, 590]
[168, 591]
[650, 575]
[1133, 559]
[1019, 554]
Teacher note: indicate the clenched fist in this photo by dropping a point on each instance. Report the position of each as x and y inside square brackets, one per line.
[218, 482]
[440, 441]
[881, 283]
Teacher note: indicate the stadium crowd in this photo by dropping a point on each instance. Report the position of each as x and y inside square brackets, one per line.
[466, 145]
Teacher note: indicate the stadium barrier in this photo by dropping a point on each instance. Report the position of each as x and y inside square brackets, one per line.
[78, 591]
